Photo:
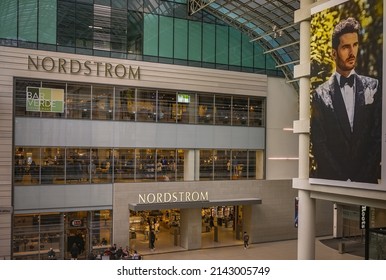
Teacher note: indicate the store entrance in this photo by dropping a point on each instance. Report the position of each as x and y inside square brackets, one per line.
[165, 224]
[77, 237]
[219, 227]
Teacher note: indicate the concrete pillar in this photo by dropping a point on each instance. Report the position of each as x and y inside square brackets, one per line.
[338, 221]
[189, 166]
[197, 165]
[190, 228]
[307, 205]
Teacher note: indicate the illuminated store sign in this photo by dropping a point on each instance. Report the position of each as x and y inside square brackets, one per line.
[172, 197]
[45, 100]
[87, 68]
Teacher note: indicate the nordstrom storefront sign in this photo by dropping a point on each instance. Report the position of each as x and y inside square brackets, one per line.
[87, 68]
[170, 197]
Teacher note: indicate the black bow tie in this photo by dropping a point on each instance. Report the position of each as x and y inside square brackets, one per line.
[349, 81]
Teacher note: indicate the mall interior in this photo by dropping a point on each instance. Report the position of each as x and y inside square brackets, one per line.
[188, 119]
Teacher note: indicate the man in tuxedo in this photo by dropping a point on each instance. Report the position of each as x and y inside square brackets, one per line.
[346, 116]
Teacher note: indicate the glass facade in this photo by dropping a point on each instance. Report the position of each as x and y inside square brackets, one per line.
[102, 102]
[61, 165]
[34, 234]
[156, 31]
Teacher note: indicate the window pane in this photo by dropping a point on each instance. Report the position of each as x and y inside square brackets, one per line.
[100, 169]
[78, 101]
[252, 165]
[223, 110]
[166, 165]
[125, 104]
[134, 32]
[167, 107]
[47, 21]
[101, 225]
[102, 27]
[209, 42]
[102, 103]
[27, 166]
[195, 40]
[8, 19]
[146, 105]
[259, 57]
[180, 164]
[150, 36]
[125, 165]
[205, 109]
[77, 164]
[52, 165]
[84, 26]
[256, 112]
[21, 97]
[239, 164]
[119, 30]
[222, 48]
[234, 47]
[66, 23]
[145, 162]
[206, 165]
[247, 52]
[180, 38]
[28, 20]
[240, 111]
[166, 26]
[222, 164]
[53, 85]
[186, 107]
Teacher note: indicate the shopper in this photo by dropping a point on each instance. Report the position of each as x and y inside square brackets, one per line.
[51, 254]
[152, 240]
[74, 252]
[246, 240]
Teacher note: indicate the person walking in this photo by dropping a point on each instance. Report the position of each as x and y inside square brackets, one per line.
[152, 240]
[74, 252]
[246, 240]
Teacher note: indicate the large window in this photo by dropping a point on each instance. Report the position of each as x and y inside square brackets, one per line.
[103, 102]
[223, 110]
[167, 107]
[78, 101]
[125, 106]
[82, 165]
[205, 109]
[146, 105]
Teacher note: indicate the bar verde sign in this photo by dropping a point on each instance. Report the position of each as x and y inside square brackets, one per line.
[45, 100]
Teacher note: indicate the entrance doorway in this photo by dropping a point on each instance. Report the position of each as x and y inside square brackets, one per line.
[220, 226]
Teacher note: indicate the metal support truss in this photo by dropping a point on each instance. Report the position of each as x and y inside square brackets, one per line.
[197, 5]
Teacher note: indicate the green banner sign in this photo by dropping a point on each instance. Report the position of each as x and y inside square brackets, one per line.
[45, 100]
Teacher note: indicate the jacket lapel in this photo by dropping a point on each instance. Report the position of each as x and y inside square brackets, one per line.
[359, 105]
[339, 107]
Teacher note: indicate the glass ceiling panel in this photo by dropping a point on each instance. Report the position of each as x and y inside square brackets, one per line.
[269, 23]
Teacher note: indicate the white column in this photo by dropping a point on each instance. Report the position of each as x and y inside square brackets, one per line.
[190, 228]
[307, 209]
[197, 165]
[189, 166]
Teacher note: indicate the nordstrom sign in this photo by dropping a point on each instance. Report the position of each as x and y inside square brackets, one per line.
[87, 68]
[171, 197]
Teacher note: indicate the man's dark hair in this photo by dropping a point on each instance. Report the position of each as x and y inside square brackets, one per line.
[349, 25]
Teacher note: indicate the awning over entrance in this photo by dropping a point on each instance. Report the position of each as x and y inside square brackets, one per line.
[194, 204]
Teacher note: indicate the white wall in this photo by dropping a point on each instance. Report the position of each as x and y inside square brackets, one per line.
[282, 110]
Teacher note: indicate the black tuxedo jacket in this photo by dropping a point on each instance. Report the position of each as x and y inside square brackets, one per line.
[337, 152]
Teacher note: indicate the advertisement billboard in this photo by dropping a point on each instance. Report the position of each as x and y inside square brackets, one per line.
[346, 139]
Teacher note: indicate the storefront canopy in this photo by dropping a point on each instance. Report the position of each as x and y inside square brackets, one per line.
[194, 204]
